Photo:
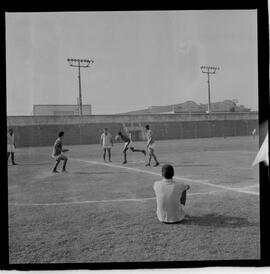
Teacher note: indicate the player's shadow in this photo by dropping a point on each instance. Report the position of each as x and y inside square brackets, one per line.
[194, 165]
[191, 164]
[217, 220]
[95, 172]
[35, 164]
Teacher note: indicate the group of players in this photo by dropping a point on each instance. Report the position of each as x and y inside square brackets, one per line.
[106, 141]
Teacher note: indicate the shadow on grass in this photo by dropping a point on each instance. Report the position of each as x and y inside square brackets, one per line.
[35, 164]
[194, 165]
[191, 164]
[215, 220]
[95, 172]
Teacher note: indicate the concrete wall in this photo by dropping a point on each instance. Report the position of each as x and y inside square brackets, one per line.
[43, 130]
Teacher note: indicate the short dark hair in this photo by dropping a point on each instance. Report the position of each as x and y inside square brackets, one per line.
[119, 133]
[61, 133]
[167, 171]
[147, 126]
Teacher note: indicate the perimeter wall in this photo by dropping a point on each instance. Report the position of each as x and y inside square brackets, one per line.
[43, 130]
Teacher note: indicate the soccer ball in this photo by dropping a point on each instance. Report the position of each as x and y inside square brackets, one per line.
[117, 138]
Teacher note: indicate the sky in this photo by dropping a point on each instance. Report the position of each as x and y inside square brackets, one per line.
[141, 58]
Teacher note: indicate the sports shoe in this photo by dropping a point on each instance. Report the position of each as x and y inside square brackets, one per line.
[157, 164]
[14, 164]
[124, 162]
[55, 171]
[148, 164]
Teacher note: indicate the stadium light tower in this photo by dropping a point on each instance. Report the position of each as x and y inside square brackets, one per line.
[80, 63]
[209, 70]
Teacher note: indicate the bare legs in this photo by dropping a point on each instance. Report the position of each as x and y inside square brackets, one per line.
[58, 160]
[12, 158]
[138, 150]
[152, 155]
[125, 154]
[109, 154]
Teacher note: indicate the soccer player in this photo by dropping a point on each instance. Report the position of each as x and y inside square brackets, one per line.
[150, 145]
[58, 153]
[170, 197]
[106, 141]
[11, 146]
[132, 148]
[127, 141]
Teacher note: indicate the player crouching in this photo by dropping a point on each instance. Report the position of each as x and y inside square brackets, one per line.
[57, 153]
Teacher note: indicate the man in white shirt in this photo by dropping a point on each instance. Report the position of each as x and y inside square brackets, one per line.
[106, 141]
[150, 146]
[11, 145]
[170, 196]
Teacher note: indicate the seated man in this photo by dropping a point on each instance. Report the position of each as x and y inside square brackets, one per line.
[171, 197]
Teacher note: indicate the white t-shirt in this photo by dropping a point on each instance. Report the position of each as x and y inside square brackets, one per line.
[10, 139]
[106, 140]
[168, 195]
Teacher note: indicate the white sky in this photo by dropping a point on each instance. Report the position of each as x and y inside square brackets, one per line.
[141, 58]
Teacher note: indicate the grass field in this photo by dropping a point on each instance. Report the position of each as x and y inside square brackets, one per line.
[100, 212]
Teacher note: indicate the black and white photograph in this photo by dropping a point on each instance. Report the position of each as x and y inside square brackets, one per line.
[134, 136]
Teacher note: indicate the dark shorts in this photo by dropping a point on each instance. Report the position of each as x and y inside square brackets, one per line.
[60, 157]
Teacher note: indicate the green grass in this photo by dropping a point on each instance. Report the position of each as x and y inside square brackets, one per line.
[221, 225]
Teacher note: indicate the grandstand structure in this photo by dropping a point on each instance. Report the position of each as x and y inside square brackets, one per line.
[193, 107]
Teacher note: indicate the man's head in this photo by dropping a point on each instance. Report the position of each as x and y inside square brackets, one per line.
[120, 133]
[61, 134]
[10, 131]
[167, 171]
[147, 127]
[105, 130]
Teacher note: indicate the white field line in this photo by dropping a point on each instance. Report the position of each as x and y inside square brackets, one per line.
[252, 186]
[203, 182]
[230, 151]
[105, 201]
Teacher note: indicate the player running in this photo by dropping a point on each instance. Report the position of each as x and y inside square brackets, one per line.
[127, 141]
[150, 146]
[57, 153]
[106, 141]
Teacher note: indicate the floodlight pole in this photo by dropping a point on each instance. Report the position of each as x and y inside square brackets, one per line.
[209, 70]
[80, 88]
[79, 63]
[209, 98]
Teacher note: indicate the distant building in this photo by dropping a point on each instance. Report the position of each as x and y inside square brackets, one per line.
[189, 106]
[60, 110]
[193, 107]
